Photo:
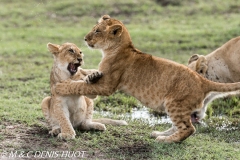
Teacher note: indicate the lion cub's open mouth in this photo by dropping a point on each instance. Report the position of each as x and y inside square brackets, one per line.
[73, 67]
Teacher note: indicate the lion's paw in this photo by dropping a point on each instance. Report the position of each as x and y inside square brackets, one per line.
[54, 132]
[122, 123]
[161, 138]
[98, 126]
[66, 136]
[93, 77]
[164, 139]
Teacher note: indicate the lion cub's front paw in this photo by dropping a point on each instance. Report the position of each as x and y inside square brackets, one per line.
[66, 136]
[54, 132]
[93, 77]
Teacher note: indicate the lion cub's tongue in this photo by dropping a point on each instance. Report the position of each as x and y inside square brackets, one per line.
[72, 67]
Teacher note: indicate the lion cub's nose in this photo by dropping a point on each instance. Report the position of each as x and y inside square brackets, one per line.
[79, 59]
[85, 39]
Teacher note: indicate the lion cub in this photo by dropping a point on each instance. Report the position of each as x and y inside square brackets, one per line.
[222, 65]
[158, 83]
[67, 112]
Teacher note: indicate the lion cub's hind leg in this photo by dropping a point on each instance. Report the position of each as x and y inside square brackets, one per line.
[168, 132]
[98, 124]
[45, 105]
[111, 121]
[181, 118]
[46, 109]
[52, 121]
[88, 124]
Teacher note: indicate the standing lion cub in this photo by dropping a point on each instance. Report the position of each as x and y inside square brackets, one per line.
[158, 83]
[67, 112]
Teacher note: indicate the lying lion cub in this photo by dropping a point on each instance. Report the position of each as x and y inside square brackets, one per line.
[158, 83]
[222, 65]
[67, 112]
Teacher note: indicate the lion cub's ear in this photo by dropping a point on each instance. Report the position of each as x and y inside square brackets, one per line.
[103, 18]
[116, 30]
[193, 58]
[201, 66]
[53, 48]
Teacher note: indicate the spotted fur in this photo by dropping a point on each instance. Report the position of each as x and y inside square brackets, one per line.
[158, 83]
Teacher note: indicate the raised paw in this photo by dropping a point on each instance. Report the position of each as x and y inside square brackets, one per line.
[66, 136]
[93, 77]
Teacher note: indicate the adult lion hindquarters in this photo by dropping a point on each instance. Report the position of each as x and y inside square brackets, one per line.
[222, 65]
[156, 82]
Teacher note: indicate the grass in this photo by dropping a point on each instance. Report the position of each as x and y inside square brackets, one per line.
[165, 28]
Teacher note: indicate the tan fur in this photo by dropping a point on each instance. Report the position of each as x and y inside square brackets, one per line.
[222, 65]
[64, 113]
[158, 83]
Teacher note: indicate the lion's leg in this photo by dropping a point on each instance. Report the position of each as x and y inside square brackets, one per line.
[55, 130]
[201, 113]
[62, 115]
[45, 105]
[111, 121]
[168, 132]
[86, 72]
[52, 121]
[182, 120]
[89, 124]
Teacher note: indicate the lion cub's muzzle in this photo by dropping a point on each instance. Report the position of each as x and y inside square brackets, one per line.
[88, 41]
[73, 67]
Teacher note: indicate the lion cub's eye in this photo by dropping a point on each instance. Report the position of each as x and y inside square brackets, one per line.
[97, 31]
[71, 50]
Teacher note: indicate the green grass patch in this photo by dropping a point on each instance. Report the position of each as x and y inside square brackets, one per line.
[229, 106]
[117, 103]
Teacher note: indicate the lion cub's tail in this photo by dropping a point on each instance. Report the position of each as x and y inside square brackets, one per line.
[222, 87]
[111, 121]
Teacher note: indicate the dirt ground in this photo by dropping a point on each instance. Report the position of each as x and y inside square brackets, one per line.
[19, 141]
